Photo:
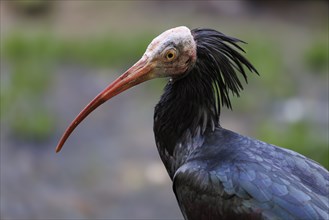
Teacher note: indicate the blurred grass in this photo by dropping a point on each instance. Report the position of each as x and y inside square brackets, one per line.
[317, 55]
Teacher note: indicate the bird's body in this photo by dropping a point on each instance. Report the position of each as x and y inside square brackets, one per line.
[216, 173]
[230, 176]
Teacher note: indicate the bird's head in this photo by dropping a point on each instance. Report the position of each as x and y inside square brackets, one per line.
[171, 54]
[174, 54]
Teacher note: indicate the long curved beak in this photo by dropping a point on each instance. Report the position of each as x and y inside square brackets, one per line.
[138, 73]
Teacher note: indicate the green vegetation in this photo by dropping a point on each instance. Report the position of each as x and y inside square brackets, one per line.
[22, 101]
[297, 137]
[317, 55]
[31, 60]
[100, 52]
[267, 58]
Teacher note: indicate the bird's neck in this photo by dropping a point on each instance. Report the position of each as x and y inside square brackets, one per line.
[184, 114]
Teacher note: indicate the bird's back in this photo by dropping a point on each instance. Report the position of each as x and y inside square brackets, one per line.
[235, 177]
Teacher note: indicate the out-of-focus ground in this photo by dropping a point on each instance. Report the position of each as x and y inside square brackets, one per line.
[57, 55]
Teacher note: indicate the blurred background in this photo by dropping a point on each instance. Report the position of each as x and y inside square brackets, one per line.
[57, 55]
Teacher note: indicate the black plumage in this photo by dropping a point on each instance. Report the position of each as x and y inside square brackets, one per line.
[216, 173]
[203, 90]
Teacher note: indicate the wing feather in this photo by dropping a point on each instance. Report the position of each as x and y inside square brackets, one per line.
[250, 180]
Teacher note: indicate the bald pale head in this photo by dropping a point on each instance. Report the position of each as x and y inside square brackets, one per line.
[172, 37]
[172, 52]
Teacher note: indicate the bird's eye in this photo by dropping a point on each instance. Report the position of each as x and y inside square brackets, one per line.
[170, 55]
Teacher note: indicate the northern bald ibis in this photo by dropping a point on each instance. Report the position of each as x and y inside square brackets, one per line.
[216, 173]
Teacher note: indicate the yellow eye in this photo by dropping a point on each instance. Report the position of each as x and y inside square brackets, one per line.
[170, 54]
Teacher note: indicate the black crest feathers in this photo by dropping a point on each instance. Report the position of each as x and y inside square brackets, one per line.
[218, 59]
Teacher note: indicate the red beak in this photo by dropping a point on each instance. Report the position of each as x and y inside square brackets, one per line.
[138, 73]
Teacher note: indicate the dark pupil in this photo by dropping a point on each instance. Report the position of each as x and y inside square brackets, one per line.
[170, 55]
